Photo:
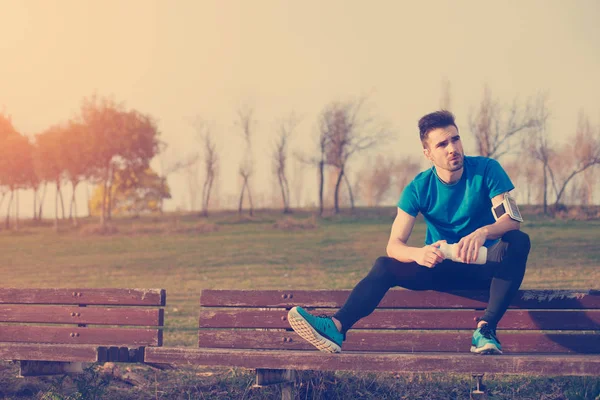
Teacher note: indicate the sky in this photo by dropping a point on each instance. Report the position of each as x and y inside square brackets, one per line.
[183, 60]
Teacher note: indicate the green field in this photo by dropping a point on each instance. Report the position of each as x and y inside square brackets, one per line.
[185, 254]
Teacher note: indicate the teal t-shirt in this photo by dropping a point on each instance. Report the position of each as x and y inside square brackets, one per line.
[454, 211]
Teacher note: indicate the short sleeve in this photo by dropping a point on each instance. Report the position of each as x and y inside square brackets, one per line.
[408, 200]
[496, 179]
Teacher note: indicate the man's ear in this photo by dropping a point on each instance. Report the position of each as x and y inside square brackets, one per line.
[427, 153]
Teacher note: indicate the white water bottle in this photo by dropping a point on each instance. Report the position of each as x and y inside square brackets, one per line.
[450, 251]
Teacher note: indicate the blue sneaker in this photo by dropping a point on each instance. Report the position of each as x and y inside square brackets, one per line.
[321, 332]
[485, 341]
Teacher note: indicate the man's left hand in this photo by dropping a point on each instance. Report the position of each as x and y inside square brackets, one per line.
[468, 246]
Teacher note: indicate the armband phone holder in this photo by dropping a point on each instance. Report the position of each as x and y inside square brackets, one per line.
[507, 206]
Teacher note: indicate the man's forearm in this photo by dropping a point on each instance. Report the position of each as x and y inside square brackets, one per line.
[401, 252]
[500, 227]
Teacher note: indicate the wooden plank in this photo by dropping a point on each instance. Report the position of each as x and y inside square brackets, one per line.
[58, 314]
[111, 296]
[410, 319]
[48, 352]
[397, 298]
[76, 335]
[399, 362]
[404, 341]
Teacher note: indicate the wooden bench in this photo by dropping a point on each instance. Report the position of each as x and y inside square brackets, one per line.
[54, 330]
[545, 332]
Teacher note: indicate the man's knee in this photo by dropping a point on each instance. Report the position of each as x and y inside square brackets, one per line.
[518, 240]
[382, 269]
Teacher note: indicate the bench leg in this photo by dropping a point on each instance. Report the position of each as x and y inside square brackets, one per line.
[283, 377]
[38, 368]
[478, 392]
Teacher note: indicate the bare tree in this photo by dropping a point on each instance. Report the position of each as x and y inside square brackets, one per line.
[323, 141]
[576, 157]
[247, 165]
[348, 133]
[319, 161]
[286, 128]
[494, 125]
[539, 145]
[211, 162]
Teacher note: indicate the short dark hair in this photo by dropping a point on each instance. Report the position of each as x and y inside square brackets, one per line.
[434, 120]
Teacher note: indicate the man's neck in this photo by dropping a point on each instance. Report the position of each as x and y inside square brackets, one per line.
[449, 177]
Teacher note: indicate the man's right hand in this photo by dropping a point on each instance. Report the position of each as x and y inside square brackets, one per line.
[430, 255]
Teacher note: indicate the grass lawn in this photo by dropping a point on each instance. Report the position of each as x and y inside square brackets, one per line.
[173, 252]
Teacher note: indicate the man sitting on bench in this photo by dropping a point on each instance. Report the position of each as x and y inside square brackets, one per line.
[464, 200]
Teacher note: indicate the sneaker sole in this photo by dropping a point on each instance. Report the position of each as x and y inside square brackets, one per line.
[486, 349]
[308, 333]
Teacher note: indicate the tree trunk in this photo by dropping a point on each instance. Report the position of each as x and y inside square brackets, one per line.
[62, 203]
[242, 197]
[17, 211]
[283, 198]
[349, 191]
[545, 188]
[104, 186]
[206, 194]
[336, 193]
[35, 192]
[42, 201]
[7, 223]
[56, 206]
[74, 204]
[250, 200]
[321, 185]
[75, 219]
[288, 209]
[204, 211]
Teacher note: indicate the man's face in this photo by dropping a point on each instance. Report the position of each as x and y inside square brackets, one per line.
[444, 149]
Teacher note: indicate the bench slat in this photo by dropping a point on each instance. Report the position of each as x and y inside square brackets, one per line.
[403, 341]
[128, 297]
[530, 299]
[313, 360]
[48, 352]
[81, 315]
[76, 335]
[410, 319]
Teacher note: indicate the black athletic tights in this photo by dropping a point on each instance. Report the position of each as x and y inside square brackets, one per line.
[501, 278]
